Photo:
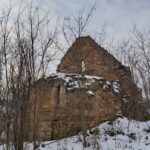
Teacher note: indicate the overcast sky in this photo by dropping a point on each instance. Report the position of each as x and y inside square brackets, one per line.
[118, 14]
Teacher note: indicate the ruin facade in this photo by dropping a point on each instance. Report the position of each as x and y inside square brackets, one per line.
[91, 86]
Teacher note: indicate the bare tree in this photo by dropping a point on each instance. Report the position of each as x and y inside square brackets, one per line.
[134, 52]
[75, 27]
[26, 51]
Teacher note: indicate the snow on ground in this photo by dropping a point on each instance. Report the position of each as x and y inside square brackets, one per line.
[121, 134]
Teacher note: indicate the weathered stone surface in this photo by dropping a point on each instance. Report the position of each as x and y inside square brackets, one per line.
[98, 62]
[63, 110]
[95, 87]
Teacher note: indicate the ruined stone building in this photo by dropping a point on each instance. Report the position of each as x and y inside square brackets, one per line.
[91, 86]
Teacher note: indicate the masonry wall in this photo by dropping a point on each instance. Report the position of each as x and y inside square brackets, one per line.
[100, 62]
[68, 113]
[61, 112]
[97, 62]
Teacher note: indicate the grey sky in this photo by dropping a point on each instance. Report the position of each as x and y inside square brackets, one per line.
[119, 14]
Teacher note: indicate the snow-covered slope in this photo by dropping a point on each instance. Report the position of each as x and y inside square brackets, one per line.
[121, 134]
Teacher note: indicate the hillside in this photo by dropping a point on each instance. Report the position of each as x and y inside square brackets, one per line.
[121, 134]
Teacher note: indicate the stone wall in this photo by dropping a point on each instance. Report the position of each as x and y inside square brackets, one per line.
[101, 63]
[95, 87]
[62, 111]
